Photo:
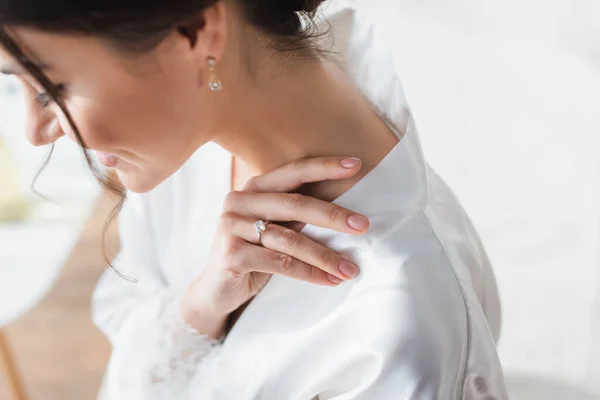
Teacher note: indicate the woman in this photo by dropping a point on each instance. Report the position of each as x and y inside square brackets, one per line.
[220, 117]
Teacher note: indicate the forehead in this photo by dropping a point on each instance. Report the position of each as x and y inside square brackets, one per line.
[61, 51]
[39, 45]
[39, 48]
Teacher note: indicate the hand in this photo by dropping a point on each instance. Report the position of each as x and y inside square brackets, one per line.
[239, 267]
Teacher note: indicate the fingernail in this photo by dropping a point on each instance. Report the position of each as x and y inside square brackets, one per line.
[348, 269]
[350, 162]
[358, 222]
[334, 279]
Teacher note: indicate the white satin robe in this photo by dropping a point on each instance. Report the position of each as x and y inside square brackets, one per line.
[421, 320]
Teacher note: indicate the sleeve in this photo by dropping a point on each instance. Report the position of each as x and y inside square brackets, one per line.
[411, 336]
[156, 355]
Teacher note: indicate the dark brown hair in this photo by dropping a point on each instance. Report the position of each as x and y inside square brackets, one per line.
[140, 25]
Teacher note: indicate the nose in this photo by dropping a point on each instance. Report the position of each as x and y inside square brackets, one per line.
[42, 126]
[42, 131]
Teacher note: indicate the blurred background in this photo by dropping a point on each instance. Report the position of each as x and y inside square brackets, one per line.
[506, 94]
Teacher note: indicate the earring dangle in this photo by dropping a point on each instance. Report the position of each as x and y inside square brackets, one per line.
[213, 81]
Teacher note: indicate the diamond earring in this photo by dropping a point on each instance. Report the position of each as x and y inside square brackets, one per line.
[214, 83]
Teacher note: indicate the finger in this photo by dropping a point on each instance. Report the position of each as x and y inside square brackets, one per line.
[296, 173]
[262, 259]
[286, 241]
[243, 227]
[297, 245]
[296, 207]
[294, 225]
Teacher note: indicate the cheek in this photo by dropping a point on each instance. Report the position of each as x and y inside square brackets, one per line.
[90, 122]
[150, 120]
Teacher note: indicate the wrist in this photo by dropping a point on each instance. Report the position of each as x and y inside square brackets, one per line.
[202, 317]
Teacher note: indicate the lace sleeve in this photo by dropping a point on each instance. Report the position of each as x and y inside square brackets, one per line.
[169, 360]
[155, 354]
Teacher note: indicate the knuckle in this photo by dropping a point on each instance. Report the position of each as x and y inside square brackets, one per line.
[335, 214]
[293, 165]
[328, 163]
[231, 200]
[295, 201]
[289, 238]
[328, 257]
[233, 273]
[315, 274]
[233, 248]
[284, 263]
[225, 222]
[251, 185]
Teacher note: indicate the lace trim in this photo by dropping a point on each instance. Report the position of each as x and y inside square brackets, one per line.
[180, 363]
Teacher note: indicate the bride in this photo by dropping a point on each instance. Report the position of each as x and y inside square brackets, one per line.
[283, 237]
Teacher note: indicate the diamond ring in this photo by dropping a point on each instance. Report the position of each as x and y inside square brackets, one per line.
[260, 226]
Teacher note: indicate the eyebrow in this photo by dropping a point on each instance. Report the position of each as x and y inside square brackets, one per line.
[16, 69]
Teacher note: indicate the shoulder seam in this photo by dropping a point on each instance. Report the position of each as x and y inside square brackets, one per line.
[467, 316]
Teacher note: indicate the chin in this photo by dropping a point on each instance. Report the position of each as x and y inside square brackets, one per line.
[137, 182]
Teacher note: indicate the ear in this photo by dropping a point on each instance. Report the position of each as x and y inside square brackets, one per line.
[207, 32]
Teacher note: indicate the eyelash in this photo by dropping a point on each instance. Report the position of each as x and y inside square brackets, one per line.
[44, 99]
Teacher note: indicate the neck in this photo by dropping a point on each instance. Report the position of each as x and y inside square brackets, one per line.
[310, 111]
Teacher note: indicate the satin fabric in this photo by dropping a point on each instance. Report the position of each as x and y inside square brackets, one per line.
[420, 321]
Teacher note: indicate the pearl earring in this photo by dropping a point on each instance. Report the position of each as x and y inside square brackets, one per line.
[214, 83]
